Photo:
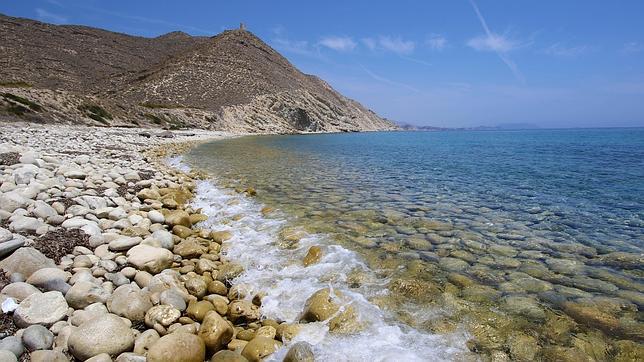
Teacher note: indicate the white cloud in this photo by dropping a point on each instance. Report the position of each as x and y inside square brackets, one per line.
[300, 47]
[45, 15]
[492, 42]
[396, 45]
[389, 43]
[339, 43]
[436, 42]
[561, 50]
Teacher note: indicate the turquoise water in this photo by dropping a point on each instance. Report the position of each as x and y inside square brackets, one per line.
[555, 217]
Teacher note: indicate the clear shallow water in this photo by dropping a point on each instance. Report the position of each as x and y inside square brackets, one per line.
[454, 226]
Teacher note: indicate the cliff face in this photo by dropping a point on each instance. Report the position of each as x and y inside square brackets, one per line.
[230, 82]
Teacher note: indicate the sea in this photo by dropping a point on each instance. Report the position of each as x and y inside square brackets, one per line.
[454, 245]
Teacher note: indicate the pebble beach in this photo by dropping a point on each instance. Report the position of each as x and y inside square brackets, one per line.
[103, 257]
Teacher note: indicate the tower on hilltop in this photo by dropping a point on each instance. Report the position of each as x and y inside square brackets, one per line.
[242, 26]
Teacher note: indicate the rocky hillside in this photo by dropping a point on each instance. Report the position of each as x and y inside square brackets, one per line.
[229, 82]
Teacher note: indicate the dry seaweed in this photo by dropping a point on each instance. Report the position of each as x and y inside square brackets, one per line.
[58, 243]
[9, 158]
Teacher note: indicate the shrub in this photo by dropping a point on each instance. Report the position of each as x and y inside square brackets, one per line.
[12, 98]
[96, 113]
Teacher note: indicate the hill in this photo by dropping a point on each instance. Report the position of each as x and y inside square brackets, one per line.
[230, 82]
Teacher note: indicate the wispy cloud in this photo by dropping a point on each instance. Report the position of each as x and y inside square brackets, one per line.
[389, 43]
[388, 81]
[55, 2]
[339, 43]
[300, 47]
[562, 50]
[496, 43]
[168, 24]
[397, 44]
[632, 47]
[492, 42]
[45, 15]
[416, 60]
[436, 42]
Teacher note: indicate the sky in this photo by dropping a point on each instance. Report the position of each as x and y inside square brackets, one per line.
[456, 63]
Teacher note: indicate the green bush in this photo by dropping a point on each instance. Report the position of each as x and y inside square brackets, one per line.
[18, 84]
[12, 98]
[154, 118]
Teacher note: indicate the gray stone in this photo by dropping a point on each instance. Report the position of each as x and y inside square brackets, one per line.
[5, 235]
[156, 217]
[164, 237]
[145, 340]
[104, 334]
[43, 210]
[50, 279]
[130, 301]
[37, 337]
[83, 293]
[103, 357]
[7, 247]
[174, 298]
[117, 278]
[12, 344]
[19, 291]
[12, 200]
[41, 308]
[48, 356]
[25, 224]
[130, 357]
[151, 259]
[26, 261]
[7, 356]
[124, 243]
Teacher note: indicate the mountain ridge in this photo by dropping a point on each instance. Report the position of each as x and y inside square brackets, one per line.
[232, 81]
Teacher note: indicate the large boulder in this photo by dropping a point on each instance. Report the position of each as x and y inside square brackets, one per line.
[215, 331]
[106, 333]
[150, 258]
[129, 301]
[183, 347]
[41, 308]
[26, 261]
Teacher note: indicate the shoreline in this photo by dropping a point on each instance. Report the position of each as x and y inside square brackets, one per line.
[137, 273]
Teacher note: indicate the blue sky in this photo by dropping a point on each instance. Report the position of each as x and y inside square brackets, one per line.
[456, 63]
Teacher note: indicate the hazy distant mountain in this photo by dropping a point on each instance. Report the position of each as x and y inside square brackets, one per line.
[232, 81]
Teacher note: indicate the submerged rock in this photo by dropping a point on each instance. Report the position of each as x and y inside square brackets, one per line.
[300, 352]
